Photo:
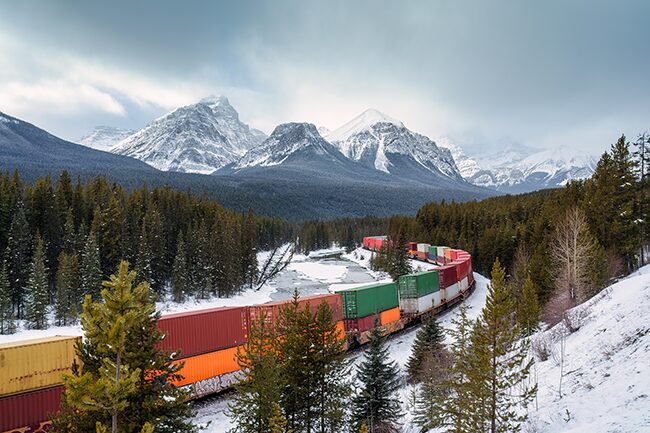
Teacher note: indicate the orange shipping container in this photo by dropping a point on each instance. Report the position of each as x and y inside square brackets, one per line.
[389, 316]
[340, 328]
[208, 365]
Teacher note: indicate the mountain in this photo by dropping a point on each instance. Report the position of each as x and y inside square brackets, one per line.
[105, 137]
[519, 169]
[300, 148]
[380, 142]
[34, 151]
[198, 138]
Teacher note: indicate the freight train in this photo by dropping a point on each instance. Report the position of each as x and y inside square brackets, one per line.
[207, 340]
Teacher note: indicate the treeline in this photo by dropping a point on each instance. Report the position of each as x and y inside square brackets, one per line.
[68, 236]
[346, 232]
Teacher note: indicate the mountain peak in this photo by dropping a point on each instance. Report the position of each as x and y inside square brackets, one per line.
[308, 130]
[215, 100]
[364, 121]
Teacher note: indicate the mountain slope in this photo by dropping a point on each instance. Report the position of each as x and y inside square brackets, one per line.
[197, 138]
[605, 370]
[30, 149]
[378, 141]
[105, 137]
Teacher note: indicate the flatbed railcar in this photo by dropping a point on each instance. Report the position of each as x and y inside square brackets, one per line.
[207, 340]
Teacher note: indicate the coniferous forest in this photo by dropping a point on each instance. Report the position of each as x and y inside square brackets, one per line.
[61, 238]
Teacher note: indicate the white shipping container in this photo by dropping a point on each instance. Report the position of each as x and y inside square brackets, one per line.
[464, 284]
[441, 251]
[420, 305]
[451, 291]
[423, 248]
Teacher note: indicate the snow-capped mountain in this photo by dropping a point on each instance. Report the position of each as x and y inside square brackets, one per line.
[295, 146]
[198, 138]
[518, 169]
[105, 137]
[378, 141]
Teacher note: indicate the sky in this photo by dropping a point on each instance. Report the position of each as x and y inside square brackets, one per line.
[488, 74]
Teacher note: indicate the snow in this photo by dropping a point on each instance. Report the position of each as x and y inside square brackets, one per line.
[319, 271]
[105, 137]
[361, 123]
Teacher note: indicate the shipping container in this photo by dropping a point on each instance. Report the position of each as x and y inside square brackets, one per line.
[28, 411]
[33, 364]
[421, 255]
[367, 300]
[207, 365]
[447, 275]
[441, 251]
[433, 253]
[418, 284]
[421, 304]
[423, 248]
[272, 309]
[389, 316]
[464, 284]
[413, 246]
[448, 253]
[362, 324]
[196, 332]
[451, 291]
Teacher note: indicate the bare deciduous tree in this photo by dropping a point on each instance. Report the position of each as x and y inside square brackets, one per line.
[573, 248]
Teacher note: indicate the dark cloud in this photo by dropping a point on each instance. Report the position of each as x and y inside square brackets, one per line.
[543, 73]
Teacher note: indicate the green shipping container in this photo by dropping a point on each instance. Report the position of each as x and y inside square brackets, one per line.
[419, 284]
[433, 251]
[367, 300]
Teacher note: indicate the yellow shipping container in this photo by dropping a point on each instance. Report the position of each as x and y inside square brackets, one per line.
[33, 364]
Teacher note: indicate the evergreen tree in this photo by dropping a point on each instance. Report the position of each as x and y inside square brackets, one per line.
[376, 404]
[7, 318]
[278, 422]
[499, 363]
[90, 273]
[528, 309]
[445, 399]
[37, 289]
[256, 401]
[180, 277]
[400, 264]
[125, 381]
[143, 260]
[428, 343]
[68, 296]
[313, 369]
[17, 255]
[249, 268]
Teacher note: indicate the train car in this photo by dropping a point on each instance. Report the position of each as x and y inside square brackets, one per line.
[31, 379]
[419, 292]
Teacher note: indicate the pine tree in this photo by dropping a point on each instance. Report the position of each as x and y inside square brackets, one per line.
[400, 264]
[17, 254]
[313, 373]
[36, 303]
[445, 400]
[68, 296]
[528, 309]
[125, 381]
[143, 260]
[377, 404]
[180, 277]
[499, 363]
[278, 422]
[428, 343]
[7, 318]
[249, 268]
[258, 393]
[90, 272]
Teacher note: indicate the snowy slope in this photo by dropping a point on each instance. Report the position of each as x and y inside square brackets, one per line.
[606, 379]
[381, 142]
[105, 137]
[198, 138]
[467, 166]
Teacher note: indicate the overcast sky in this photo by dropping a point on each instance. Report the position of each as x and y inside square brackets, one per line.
[487, 73]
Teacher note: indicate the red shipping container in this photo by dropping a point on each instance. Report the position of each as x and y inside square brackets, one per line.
[413, 246]
[29, 409]
[447, 275]
[202, 331]
[272, 309]
[361, 324]
[422, 255]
